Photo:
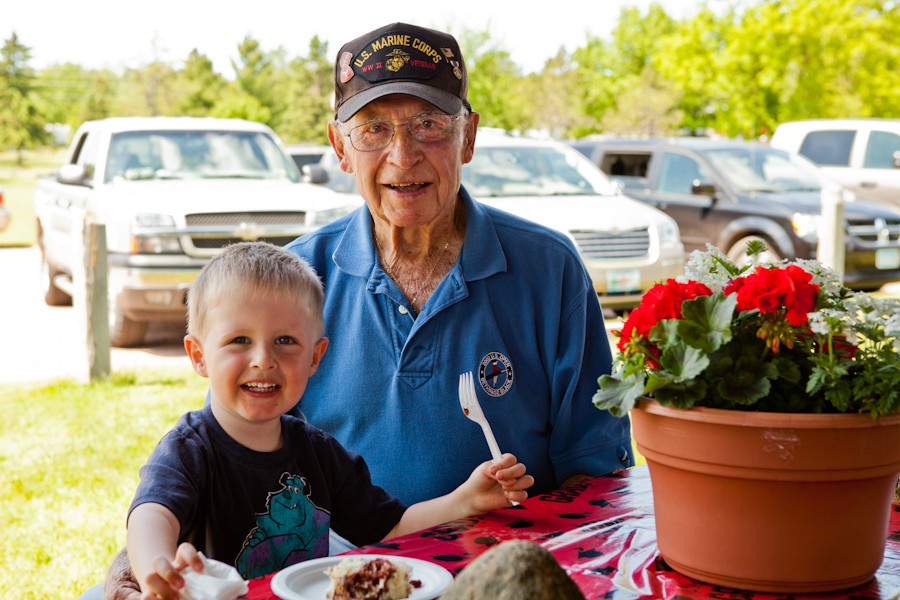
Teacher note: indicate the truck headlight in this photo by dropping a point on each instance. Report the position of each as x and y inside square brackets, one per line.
[668, 233]
[154, 244]
[806, 226]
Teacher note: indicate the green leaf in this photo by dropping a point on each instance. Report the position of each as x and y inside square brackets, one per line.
[681, 362]
[618, 395]
[682, 395]
[748, 382]
[664, 334]
[787, 369]
[707, 322]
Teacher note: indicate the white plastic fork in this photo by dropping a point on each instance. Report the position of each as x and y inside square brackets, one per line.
[472, 409]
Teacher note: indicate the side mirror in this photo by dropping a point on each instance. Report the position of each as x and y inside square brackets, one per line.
[314, 174]
[72, 175]
[704, 188]
[897, 159]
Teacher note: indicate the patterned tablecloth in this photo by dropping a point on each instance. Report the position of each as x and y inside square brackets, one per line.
[602, 533]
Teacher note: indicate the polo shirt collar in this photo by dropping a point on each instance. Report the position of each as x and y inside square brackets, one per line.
[482, 254]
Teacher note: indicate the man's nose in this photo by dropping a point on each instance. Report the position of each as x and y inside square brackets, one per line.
[404, 151]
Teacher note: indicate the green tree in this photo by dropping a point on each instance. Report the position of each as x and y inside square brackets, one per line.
[99, 100]
[259, 75]
[61, 88]
[21, 122]
[496, 86]
[647, 107]
[200, 86]
[744, 73]
[308, 98]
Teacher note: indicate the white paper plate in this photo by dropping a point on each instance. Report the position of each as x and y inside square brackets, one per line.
[308, 581]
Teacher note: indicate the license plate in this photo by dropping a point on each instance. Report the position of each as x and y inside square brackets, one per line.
[620, 281]
[887, 258]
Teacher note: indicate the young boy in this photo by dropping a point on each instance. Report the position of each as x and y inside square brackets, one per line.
[246, 483]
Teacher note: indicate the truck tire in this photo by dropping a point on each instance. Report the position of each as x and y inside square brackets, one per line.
[737, 253]
[123, 332]
[53, 296]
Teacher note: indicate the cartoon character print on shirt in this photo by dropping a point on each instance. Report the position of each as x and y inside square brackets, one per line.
[293, 530]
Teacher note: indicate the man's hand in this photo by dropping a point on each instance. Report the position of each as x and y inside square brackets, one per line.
[120, 583]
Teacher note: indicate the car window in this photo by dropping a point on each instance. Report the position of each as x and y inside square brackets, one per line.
[532, 171]
[829, 148]
[196, 154]
[678, 173]
[86, 154]
[882, 150]
[762, 169]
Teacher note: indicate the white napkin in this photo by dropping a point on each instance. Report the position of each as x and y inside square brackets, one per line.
[217, 581]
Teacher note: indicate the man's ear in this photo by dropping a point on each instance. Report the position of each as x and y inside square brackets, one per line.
[318, 352]
[336, 138]
[471, 131]
[195, 353]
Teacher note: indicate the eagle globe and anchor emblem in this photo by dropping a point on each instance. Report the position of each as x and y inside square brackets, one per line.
[396, 59]
[495, 373]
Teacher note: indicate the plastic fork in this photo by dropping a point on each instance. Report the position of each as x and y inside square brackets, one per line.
[472, 409]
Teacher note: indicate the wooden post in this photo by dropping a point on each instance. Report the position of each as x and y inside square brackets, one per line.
[831, 250]
[90, 298]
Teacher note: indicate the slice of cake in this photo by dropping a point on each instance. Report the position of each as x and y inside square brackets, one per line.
[376, 579]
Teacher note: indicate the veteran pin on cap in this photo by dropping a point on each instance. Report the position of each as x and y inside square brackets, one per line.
[400, 59]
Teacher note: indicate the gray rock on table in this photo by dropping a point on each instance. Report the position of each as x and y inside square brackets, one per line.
[514, 570]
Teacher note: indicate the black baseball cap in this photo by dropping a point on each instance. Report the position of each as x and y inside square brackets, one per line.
[400, 59]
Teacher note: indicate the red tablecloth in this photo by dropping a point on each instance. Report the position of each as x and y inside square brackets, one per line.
[602, 533]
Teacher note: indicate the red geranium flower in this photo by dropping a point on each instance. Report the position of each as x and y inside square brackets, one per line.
[662, 301]
[768, 290]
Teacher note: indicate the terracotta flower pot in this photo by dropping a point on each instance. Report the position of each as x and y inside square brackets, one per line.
[790, 503]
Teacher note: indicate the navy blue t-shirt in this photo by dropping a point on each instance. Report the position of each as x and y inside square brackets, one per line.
[264, 511]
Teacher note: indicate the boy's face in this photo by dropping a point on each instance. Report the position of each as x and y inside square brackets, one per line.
[258, 353]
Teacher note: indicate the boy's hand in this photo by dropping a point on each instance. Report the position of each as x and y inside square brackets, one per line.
[497, 484]
[166, 580]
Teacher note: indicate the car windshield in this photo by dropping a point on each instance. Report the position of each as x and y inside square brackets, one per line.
[761, 169]
[137, 155]
[532, 171]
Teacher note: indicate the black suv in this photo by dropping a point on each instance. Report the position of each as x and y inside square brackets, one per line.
[729, 192]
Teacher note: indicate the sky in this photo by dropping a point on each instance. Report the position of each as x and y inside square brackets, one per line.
[116, 34]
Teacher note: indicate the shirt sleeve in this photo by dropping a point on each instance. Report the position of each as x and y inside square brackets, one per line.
[585, 439]
[173, 477]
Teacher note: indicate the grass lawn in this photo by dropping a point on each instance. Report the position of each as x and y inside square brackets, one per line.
[18, 183]
[69, 460]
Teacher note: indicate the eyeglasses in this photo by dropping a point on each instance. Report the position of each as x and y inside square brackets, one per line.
[376, 135]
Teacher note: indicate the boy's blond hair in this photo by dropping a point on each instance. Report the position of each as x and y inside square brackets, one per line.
[260, 269]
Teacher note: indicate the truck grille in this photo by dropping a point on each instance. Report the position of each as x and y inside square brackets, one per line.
[872, 234]
[608, 245]
[235, 219]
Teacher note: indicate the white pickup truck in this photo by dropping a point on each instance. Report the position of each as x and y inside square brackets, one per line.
[172, 191]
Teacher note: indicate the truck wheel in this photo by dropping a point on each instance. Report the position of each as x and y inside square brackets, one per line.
[123, 332]
[53, 296]
[737, 253]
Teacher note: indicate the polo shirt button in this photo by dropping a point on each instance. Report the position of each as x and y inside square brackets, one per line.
[402, 310]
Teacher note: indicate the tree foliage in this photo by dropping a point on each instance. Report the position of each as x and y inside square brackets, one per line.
[740, 71]
[21, 121]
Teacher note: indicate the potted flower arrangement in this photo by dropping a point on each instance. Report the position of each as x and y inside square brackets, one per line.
[766, 400]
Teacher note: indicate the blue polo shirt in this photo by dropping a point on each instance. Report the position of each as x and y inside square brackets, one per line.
[517, 309]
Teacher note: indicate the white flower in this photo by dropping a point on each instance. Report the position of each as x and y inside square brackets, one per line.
[828, 280]
[706, 268]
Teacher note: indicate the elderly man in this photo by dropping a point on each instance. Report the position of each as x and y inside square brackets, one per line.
[424, 283]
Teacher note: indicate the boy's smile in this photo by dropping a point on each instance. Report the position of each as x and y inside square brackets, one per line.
[258, 352]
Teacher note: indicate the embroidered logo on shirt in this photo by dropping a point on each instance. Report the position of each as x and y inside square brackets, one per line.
[495, 374]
